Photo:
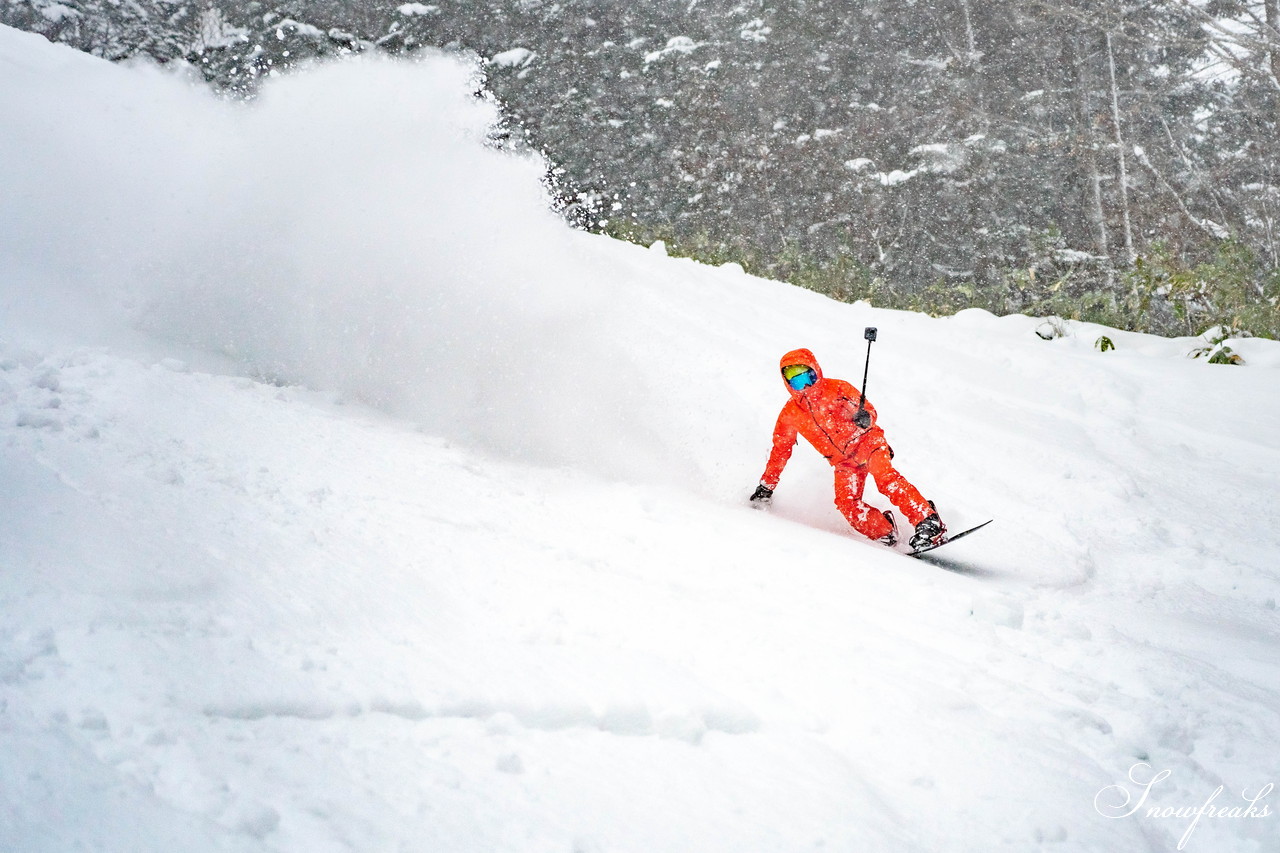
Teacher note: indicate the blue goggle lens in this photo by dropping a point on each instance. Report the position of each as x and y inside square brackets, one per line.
[800, 381]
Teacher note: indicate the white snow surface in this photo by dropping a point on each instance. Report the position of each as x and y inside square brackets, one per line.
[514, 58]
[350, 502]
[411, 9]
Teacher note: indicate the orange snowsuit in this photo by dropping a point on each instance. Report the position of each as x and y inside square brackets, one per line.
[823, 413]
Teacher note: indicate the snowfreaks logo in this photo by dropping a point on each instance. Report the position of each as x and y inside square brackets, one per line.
[1117, 801]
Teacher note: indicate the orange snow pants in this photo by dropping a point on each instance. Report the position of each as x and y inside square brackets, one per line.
[873, 456]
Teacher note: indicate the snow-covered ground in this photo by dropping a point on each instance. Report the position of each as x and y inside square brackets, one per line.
[349, 502]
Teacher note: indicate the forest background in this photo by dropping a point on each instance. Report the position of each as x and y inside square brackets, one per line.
[1092, 159]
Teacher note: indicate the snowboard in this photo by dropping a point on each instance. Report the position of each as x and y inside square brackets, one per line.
[928, 548]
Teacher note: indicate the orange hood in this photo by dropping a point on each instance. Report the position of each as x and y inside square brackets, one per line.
[800, 356]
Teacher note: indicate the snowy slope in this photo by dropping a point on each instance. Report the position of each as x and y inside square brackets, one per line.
[352, 503]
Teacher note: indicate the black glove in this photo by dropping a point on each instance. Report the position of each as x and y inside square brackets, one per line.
[862, 419]
[763, 495]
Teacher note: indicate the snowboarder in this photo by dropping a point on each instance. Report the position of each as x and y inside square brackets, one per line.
[833, 417]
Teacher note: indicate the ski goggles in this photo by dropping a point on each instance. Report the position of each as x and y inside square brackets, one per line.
[799, 376]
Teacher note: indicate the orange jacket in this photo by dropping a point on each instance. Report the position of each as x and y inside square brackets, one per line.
[823, 414]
